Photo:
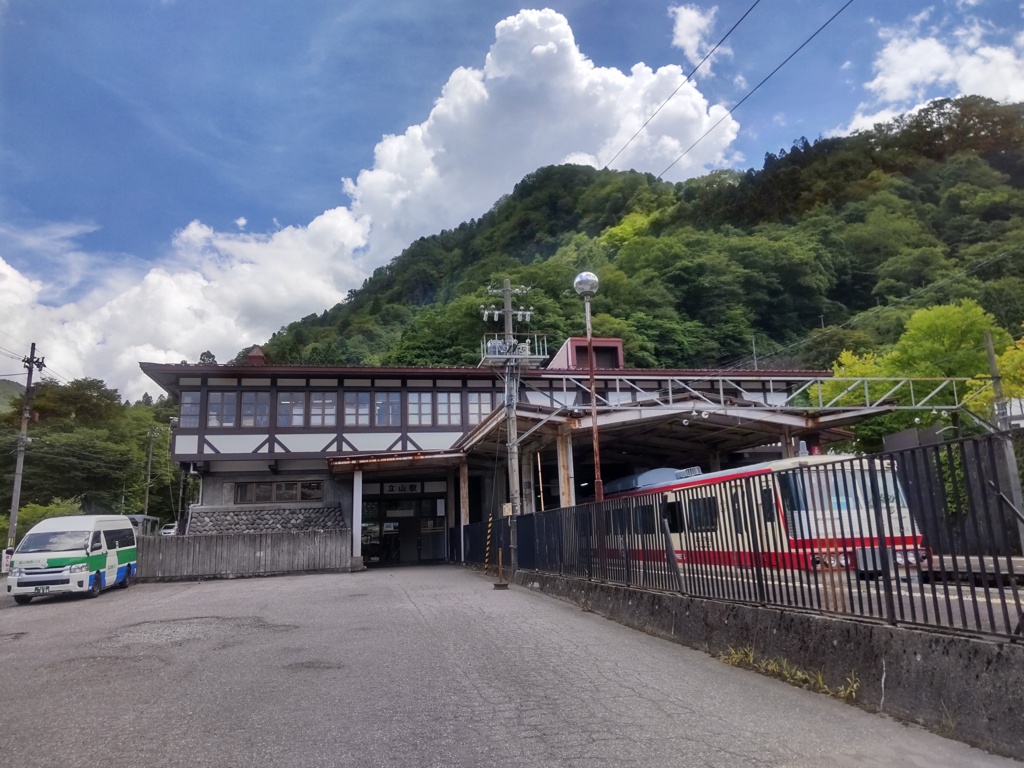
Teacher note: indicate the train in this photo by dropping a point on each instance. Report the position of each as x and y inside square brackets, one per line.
[804, 513]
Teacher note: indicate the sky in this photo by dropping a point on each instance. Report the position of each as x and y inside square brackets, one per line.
[179, 176]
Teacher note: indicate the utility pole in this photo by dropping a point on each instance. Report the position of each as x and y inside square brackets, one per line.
[513, 358]
[1009, 459]
[149, 468]
[32, 364]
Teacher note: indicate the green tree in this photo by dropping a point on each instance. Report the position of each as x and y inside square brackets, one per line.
[30, 514]
[947, 341]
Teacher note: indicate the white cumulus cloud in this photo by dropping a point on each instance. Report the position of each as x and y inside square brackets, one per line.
[536, 100]
[927, 59]
[691, 27]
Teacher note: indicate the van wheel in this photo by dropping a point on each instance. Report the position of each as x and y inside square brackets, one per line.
[94, 588]
[23, 599]
[127, 580]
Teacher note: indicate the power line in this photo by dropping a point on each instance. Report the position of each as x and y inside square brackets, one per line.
[755, 88]
[684, 82]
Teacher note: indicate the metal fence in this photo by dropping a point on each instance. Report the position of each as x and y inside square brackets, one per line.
[929, 536]
[243, 554]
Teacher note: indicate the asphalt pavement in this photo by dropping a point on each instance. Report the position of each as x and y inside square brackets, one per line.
[424, 666]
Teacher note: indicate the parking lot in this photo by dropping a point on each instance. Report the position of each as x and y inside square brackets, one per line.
[424, 666]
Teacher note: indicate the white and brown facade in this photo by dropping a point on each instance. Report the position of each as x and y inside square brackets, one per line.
[405, 457]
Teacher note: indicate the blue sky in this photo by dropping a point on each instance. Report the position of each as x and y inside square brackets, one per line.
[183, 175]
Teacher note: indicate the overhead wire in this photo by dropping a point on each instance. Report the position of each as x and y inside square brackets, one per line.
[754, 90]
[684, 82]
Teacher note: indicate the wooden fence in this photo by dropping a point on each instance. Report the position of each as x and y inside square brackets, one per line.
[237, 555]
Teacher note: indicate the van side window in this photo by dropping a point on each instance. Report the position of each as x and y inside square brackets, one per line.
[119, 538]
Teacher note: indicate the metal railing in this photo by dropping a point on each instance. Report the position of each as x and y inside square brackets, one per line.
[930, 536]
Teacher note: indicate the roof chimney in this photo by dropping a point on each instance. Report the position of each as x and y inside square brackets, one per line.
[256, 358]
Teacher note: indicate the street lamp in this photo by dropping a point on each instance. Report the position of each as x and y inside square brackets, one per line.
[586, 286]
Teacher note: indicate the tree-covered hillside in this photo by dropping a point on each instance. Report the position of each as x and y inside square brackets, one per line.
[8, 391]
[830, 246]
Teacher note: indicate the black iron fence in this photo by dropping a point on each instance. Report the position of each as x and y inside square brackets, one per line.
[930, 536]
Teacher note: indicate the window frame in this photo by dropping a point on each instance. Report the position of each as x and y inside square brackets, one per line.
[277, 491]
[225, 403]
[258, 412]
[448, 409]
[357, 410]
[419, 409]
[287, 413]
[392, 405]
[323, 409]
[475, 406]
[190, 410]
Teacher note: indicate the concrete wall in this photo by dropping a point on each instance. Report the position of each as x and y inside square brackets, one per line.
[963, 688]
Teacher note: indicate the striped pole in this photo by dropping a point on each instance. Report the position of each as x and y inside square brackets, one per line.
[487, 547]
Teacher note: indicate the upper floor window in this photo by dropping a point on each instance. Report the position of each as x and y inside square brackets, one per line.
[420, 409]
[291, 409]
[357, 409]
[189, 414]
[255, 409]
[221, 409]
[480, 404]
[323, 409]
[388, 409]
[449, 409]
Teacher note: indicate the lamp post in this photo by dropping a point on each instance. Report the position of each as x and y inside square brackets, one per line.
[586, 286]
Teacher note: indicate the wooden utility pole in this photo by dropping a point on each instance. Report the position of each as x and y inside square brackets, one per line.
[149, 469]
[32, 364]
[1011, 476]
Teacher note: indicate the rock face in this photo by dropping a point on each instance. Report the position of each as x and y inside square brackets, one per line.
[266, 520]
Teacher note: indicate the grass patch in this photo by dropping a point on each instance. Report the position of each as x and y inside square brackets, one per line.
[781, 669]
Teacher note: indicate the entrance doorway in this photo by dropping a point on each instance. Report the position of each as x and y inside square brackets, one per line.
[403, 531]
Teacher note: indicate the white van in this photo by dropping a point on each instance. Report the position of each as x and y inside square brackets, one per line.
[80, 553]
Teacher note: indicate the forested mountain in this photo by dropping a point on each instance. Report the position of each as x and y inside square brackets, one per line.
[902, 246]
[831, 245]
[8, 391]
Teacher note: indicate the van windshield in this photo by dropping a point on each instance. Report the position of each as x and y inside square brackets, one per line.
[58, 541]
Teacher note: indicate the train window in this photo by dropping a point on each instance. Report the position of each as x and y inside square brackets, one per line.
[768, 511]
[644, 519]
[737, 513]
[674, 515]
[703, 515]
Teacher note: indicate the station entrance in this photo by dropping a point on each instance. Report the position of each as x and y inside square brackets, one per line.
[403, 531]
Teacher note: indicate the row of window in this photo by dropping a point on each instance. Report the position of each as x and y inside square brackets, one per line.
[700, 514]
[267, 493]
[320, 409]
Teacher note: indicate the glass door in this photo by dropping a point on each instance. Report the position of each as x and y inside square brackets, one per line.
[403, 531]
[432, 530]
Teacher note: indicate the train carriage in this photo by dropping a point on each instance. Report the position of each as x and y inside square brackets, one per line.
[804, 513]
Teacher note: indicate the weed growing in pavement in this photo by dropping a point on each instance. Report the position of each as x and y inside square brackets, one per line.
[781, 669]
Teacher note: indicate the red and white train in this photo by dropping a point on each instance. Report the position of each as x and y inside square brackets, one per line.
[803, 513]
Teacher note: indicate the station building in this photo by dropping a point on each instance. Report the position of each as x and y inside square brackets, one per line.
[406, 457]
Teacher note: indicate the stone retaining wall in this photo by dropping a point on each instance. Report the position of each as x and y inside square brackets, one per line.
[232, 520]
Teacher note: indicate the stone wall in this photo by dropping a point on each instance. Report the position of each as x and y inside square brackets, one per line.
[211, 520]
